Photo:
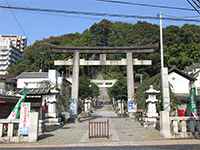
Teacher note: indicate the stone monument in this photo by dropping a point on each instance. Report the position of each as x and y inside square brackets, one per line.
[120, 107]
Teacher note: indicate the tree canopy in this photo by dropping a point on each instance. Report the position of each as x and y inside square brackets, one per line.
[181, 47]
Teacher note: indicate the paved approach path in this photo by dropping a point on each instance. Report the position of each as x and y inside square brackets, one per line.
[122, 130]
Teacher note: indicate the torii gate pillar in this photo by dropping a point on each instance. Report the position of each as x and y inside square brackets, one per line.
[130, 85]
[75, 81]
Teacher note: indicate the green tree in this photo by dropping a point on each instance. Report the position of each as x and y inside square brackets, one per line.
[87, 89]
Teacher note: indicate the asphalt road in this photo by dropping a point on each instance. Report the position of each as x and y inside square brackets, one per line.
[163, 147]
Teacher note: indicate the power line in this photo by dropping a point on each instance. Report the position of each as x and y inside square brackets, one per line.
[95, 14]
[196, 3]
[147, 5]
[193, 6]
[17, 21]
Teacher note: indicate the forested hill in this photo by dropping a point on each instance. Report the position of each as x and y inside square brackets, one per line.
[181, 44]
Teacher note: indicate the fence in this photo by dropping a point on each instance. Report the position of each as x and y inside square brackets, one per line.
[184, 127]
[99, 129]
[9, 130]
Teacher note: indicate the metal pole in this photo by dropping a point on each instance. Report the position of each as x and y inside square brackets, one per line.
[164, 74]
[161, 60]
[161, 43]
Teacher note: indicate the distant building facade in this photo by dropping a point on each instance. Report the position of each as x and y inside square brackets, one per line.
[194, 70]
[11, 49]
[49, 89]
[180, 82]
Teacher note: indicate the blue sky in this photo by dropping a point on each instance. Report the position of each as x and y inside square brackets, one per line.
[42, 25]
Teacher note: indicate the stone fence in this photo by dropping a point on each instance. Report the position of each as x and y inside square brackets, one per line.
[179, 127]
[184, 127]
[9, 130]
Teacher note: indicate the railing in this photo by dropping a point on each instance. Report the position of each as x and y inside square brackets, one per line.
[9, 130]
[99, 129]
[184, 127]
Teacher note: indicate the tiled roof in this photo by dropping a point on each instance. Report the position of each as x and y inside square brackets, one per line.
[187, 76]
[38, 91]
[33, 75]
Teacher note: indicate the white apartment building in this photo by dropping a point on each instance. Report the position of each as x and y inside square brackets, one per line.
[11, 48]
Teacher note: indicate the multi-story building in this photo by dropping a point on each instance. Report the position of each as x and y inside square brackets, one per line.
[11, 49]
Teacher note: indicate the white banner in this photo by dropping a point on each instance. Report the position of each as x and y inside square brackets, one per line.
[24, 118]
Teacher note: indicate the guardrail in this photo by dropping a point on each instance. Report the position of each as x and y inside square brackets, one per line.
[99, 129]
[184, 127]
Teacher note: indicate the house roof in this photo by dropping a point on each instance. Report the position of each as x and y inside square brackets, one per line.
[8, 99]
[191, 67]
[7, 78]
[178, 71]
[33, 75]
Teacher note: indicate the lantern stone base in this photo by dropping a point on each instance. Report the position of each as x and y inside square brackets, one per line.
[52, 121]
[150, 122]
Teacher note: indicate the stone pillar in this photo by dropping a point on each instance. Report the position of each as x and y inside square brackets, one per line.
[52, 104]
[75, 81]
[85, 107]
[130, 84]
[89, 104]
[121, 107]
[33, 130]
[165, 124]
[10, 129]
[165, 89]
[1, 129]
[103, 59]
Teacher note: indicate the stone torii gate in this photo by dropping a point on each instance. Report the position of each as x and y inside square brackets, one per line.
[129, 62]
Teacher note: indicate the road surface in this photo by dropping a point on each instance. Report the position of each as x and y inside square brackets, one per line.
[163, 147]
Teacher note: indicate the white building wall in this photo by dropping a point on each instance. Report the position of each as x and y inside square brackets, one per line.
[8, 54]
[31, 82]
[52, 75]
[180, 85]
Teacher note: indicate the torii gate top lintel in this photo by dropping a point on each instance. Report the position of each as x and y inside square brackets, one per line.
[103, 50]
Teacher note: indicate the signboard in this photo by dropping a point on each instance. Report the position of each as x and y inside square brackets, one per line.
[73, 107]
[24, 118]
[132, 106]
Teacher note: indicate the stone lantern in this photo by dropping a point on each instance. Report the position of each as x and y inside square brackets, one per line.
[151, 114]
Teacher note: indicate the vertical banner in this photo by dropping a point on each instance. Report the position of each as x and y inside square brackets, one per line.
[24, 118]
[132, 106]
[73, 107]
[192, 105]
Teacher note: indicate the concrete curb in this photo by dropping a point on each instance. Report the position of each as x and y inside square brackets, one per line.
[106, 144]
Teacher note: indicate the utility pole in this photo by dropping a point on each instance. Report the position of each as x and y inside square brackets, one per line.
[161, 43]
[164, 74]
